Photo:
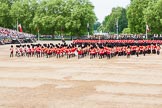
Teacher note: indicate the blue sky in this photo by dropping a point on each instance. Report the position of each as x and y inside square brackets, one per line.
[103, 7]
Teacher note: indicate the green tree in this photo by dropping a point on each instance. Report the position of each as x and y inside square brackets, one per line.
[153, 16]
[96, 26]
[24, 13]
[62, 17]
[135, 15]
[81, 14]
[117, 17]
[5, 18]
[126, 31]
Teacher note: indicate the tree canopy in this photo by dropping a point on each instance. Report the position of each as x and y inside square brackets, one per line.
[55, 17]
[135, 17]
[117, 18]
[70, 17]
[145, 12]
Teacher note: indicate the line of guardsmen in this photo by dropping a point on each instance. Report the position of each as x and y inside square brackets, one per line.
[100, 50]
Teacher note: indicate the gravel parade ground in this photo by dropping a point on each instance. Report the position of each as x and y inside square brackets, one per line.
[119, 82]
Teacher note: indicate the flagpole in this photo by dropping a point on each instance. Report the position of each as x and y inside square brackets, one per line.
[38, 35]
[117, 27]
[88, 29]
[146, 35]
[17, 24]
[146, 32]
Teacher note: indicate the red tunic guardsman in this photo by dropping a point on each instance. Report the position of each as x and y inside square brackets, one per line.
[11, 51]
[158, 50]
[128, 52]
[108, 52]
[21, 51]
[80, 53]
[92, 53]
[32, 51]
[38, 51]
[101, 53]
[137, 51]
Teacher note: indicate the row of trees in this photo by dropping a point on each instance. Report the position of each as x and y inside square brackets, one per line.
[55, 17]
[135, 17]
[70, 17]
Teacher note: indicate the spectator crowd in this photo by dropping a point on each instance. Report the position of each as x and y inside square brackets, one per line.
[7, 35]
